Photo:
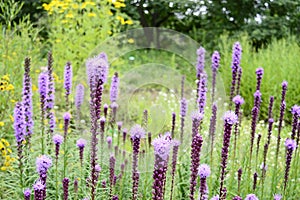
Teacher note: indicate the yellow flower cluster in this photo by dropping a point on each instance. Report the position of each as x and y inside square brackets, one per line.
[123, 21]
[118, 3]
[6, 160]
[5, 83]
[65, 6]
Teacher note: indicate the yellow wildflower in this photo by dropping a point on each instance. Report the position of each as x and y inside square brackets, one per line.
[110, 13]
[75, 6]
[5, 142]
[10, 87]
[91, 14]
[129, 22]
[37, 71]
[119, 4]
[69, 15]
[34, 88]
[1, 123]
[13, 101]
[121, 19]
[60, 126]
[3, 168]
[57, 40]
[9, 150]
[109, 32]
[6, 77]
[130, 40]
[2, 88]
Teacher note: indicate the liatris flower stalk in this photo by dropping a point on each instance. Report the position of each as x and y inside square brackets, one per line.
[270, 108]
[182, 86]
[42, 83]
[240, 172]
[196, 122]
[149, 139]
[296, 114]
[254, 114]
[254, 181]
[237, 198]
[204, 172]
[239, 78]
[257, 101]
[66, 188]
[251, 197]
[57, 140]
[195, 161]
[183, 110]
[27, 102]
[277, 197]
[27, 194]
[52, 125]
[105, 110]
[39, 189]
[109, 142]
[137, 133]
[290, 147]
[103, 184]
[235, 65]
[43, 163]
[212, 130]
[202, 92]
[119, 125]
[124, 136]
[259, 74]
[114, 88]
[67, 118]
[230, 119]
[51, 89]
[114, 106]
[79, 97]
[215, 60]
[81, 144]
[176, 144]
[97, 66]
[76, 188]
[200, 61]
[162, 146]
[238, 101]
[173, 124]
[281, 116]
[112, 162]
[19, 129]
[68, 74]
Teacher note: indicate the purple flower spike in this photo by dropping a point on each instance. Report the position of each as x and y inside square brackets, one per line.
[200, 61]
[259, 74]
[196, 122]
[195, 161]
[296, 114]
[183, 107]
[251, 197]
[137, 132]
[42, 84]
[68, 74]
[39, 189]
[66, 188]
[290, 144]
[162, 146]
[277, 197]
[19, 122]
[27, 194]
[176, 144]
[79, 97]
[112, 162]
[43, 163]
[98, 67]
[235, 65]
[114, 88]
[204, 172]
[202, 92]
[238, 100]
[57, 140]
[81, 144]
[215, 63]
[27, 101]
[109, 141]
[257, 98]
[237, 198]
[230, 119]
